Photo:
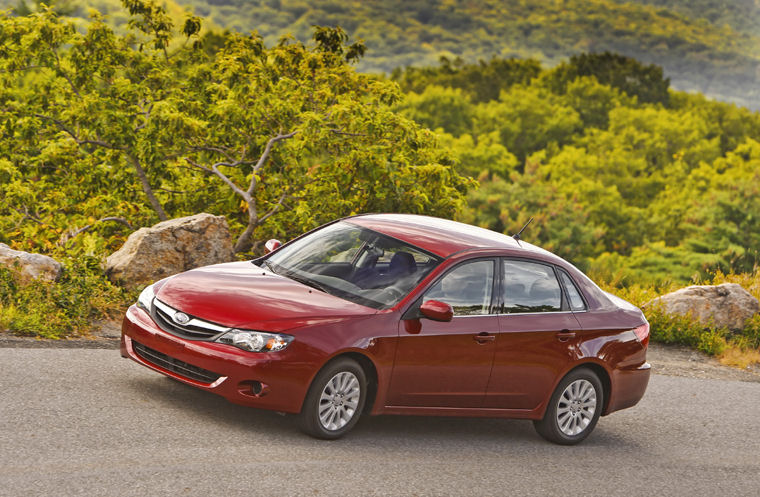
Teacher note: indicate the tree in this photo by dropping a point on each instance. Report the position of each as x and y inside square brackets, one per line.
[528, 119]
[289, 135]
[439, 107]
[481, 82]
[645, 82]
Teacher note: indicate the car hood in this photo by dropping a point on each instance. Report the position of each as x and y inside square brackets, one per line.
[243, 295]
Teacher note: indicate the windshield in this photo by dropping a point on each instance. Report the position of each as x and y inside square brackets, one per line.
[354, 263]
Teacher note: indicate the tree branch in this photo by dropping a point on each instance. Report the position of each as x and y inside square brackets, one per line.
[265, 155]
[69, 235]
[215, 170]
[345, 133]
[62, 72]
[27, 215]
[274, 209]
[68, 131]
[147, 188]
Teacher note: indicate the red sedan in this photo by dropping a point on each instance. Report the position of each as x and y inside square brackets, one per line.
[398, 314]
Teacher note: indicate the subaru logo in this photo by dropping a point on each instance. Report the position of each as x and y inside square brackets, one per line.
[181, 318]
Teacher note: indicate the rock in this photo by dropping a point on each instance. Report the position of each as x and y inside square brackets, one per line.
[170, 247]
[28, 266]
[727, 305]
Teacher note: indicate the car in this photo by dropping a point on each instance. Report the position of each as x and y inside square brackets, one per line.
[398, 314]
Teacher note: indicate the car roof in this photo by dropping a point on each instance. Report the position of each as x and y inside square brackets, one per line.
[441, 237]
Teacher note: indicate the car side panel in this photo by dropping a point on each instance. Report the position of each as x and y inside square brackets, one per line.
[529, 358]
[441, 364]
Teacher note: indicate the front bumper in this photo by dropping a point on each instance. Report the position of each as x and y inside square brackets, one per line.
[267, 380]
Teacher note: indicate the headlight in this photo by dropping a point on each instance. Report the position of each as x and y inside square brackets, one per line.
[145, 300]
[255, 341]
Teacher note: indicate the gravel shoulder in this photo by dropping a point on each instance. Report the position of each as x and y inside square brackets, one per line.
[669, 360]
[678, 360]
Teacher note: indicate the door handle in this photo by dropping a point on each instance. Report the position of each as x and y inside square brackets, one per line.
[565, 335]
[484, 337]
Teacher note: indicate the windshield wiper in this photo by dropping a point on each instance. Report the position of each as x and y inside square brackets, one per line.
[306, 281]
[268, 265]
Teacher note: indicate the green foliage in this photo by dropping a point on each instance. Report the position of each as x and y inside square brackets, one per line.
[528, 119]
[622, 186]
[438, 107]
[480, 82]
[63, 309]
[107, 132]
[645, 82]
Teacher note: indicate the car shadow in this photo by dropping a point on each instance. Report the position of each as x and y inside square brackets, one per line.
[372, 432]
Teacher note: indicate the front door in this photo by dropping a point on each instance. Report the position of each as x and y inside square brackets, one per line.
[442, 364]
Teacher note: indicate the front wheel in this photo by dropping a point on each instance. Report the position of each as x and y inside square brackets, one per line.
[574, 408]
[335, 400]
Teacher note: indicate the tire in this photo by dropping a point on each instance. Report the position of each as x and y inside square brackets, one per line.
[574, 408]
[335, 400]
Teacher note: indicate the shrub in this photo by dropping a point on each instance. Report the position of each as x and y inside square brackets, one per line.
[64, 309]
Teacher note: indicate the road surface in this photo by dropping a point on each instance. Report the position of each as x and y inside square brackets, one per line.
[87, 422]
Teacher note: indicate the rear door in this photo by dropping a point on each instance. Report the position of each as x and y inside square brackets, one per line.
[537, 335]
[448, 364]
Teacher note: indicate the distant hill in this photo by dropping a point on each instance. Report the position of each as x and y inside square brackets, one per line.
[708, 46]
[741, 15]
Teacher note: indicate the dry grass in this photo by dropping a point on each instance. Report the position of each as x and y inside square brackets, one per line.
[739, 358]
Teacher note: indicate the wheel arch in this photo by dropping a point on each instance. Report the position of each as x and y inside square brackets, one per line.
[370, 371]
[603, 375]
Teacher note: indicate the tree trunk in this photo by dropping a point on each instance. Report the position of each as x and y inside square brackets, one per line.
[245, 240]
[147, 189]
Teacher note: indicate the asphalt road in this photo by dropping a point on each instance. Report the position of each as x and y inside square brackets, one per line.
[86, 422]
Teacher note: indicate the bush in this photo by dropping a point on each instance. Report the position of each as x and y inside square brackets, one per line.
[63, 309]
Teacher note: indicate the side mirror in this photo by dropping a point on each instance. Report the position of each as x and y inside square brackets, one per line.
[272, 245]
[437, 310]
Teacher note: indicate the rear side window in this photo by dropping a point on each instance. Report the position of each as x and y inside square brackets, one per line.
[530, 287]
[573, 295]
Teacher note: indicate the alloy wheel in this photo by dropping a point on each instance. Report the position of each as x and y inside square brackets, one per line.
[576, 407]
[339, 400]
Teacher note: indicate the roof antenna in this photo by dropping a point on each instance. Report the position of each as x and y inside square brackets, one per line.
[516, 236]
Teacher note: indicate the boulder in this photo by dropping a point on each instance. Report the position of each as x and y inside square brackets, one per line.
[30, 266]
[722, 306]
[170, 247]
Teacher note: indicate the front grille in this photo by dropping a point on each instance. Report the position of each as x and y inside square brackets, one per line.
[174, 365]
[195, 329]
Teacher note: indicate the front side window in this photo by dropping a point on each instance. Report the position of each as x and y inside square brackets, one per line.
[467, 288]
[353, 263]
[530, 287]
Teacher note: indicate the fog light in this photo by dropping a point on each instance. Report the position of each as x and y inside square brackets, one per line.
[253, 388]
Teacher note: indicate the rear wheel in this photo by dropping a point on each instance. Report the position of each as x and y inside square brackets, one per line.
[574, 408]
[335, 400]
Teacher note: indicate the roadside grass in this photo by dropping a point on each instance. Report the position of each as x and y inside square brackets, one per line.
[64, 309]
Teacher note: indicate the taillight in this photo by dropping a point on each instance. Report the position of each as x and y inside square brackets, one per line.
[642, 333]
